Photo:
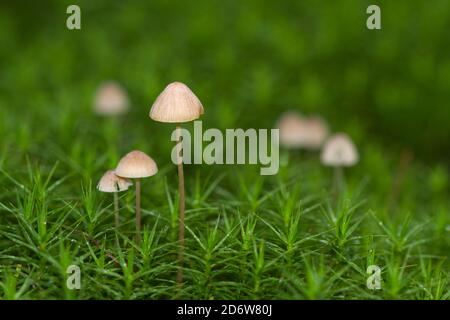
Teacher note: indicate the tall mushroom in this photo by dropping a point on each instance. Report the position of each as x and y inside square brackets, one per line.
[137, 165]
[112, 183]
[339, 151]
[178, 104]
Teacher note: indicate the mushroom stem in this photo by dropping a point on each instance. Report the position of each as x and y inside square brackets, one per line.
[116, 209]
[138, 211]
[338, 179]
[181, 205]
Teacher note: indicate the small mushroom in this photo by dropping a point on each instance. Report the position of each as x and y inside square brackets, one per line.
[339, 151]
[178, 104]
[111, 183]
[290, 126]
[316, 133]
[111, 99]
[137, 165]
[297, 132]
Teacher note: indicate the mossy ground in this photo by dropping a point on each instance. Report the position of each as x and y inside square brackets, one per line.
[248, 236]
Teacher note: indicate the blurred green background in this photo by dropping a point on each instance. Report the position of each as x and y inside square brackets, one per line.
[246, 60]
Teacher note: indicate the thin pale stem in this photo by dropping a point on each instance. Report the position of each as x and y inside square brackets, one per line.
[116, 209]
[138, 210]
[181, 206]
[338, 181]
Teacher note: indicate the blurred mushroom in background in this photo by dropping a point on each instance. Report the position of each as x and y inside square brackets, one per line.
[290, 125]
[301, 133]
[338, 152]
[298, 132]
[111, 99]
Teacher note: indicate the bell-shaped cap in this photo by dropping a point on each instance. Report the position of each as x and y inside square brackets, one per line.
[111, 99]
[110, 182]
[177, 103]
[339, 151]
[136, 164]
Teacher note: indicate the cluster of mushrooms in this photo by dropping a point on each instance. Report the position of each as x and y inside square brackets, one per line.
[175, 104]
[178, 104]
[312, 134]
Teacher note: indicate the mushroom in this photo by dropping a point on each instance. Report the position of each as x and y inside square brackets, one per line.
[111, 99]
[316, 133]
[137, 165]
[178, 104]
[290, 126]
[297, 132]
[339, 151]
[111, 183]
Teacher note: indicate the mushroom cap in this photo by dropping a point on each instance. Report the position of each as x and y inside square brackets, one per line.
[297, 132]
[339, 151]
[316, 132]
[110, 182]
[290, 125]
[136, 164]
[177, 103]
[111, 99]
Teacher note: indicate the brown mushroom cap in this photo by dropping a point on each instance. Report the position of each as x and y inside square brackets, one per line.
[339, 151]
[111, 99]
[110, 182]
[315, 133]
[136, 164]
[177, 103]
[297, 132]
[290, 126]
